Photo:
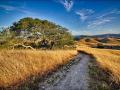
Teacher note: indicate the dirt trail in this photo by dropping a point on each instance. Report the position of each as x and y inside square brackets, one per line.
[75, 78]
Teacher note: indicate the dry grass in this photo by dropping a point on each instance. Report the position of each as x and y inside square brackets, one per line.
[109, 60]
[95, 41]
[17, 65]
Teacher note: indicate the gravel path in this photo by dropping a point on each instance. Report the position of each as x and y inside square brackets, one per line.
[75, 77]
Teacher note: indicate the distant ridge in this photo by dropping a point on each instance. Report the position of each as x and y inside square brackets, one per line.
[77, 37]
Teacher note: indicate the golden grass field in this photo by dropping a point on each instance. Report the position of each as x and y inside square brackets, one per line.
[108, 59]
[17, 65]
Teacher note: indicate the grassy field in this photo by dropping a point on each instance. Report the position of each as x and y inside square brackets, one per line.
[17, 65]
[109, 60]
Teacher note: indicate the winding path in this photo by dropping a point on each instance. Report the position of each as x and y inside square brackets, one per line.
[76, 78]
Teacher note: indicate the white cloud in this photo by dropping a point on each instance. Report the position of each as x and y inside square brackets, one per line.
[68, 4]
[104, 18]
[7, 7]
[100, 21]
[81, 32]
[112, 12]
[84, 13]
[110, 31]
[13, 8]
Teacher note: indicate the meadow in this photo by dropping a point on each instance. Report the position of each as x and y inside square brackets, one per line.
[17, 65]
[107, 59]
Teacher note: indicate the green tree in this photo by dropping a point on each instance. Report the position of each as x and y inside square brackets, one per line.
[48, 30]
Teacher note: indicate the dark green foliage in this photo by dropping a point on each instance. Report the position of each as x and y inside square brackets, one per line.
[87, 39]
[100, 45]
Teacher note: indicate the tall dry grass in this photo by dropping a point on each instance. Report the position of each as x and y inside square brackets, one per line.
[17, 65]
[108, 59]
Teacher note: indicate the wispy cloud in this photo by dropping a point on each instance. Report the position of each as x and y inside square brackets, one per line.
[112, 12]
[100, 21]
[84, 13]
[7, 7]
[111, 31]
[15, 8]
[103, 19]
[68, 4]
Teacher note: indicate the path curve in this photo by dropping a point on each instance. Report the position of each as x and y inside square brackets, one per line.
[75, 79]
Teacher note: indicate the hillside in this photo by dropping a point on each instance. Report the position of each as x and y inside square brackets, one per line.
[108, 43]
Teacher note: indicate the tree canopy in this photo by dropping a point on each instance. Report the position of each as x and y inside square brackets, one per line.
[42, 29]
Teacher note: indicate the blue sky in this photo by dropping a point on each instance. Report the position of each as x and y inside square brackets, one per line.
[79, 16]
